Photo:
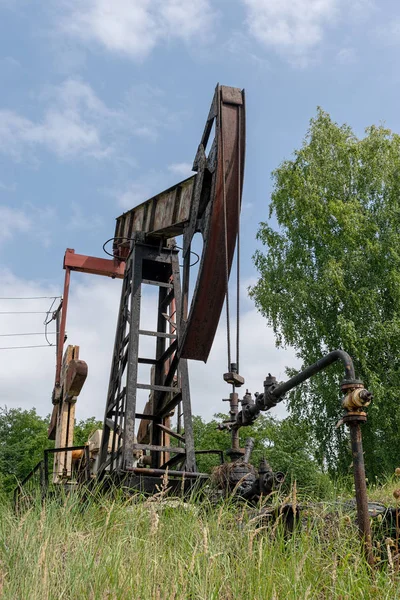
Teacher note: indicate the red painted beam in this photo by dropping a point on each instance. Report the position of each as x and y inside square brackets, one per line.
[91, 264]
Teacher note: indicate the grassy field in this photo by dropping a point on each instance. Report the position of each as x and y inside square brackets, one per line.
[137, 549]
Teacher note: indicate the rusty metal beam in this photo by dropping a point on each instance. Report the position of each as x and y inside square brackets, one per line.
[163, 215]
[95, 266]
[227, 171]
[84, 264]
[208, 202]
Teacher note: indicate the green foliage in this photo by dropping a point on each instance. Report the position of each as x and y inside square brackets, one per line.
[208, 437]
[23, 438]
[287, 445]
[330, 278]
[84, 429]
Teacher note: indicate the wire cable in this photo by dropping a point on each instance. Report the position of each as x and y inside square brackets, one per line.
[130, 239]
[30, 298]
[121, 258]
[228, 330]
[13, 334]
[238, 244]
[47, 321]
[54, 314]
[23, 347]
[23, 312]
[190, 252]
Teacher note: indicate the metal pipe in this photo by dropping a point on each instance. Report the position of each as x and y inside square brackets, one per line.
[275, 392]
[363, 520]
[161, 472]
[357, 398]
[321, 364]
[248, 449]
[352, 419]
[233, 411]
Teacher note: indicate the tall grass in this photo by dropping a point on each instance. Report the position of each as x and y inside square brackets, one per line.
[136, 549]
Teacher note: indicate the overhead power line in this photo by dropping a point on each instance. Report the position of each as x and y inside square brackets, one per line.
[40, 333]
[48, 320]
[22, 347]
[23, 312]
[30, 298]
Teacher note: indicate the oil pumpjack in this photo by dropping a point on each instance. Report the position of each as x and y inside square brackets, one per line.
[145, 253]
[135, 447]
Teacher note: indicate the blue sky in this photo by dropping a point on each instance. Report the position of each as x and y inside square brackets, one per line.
[103, 104]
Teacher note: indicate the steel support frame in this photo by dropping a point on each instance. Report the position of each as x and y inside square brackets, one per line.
[157, 265]
[83, 264]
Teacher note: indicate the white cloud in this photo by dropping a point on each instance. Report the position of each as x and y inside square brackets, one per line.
[123, 26]
[362, 9]
[134, 27]
[36, 222]
[146, 186]
[79, 221]
[346, 56]
[186, 18]
[258, 357]
[290, 27]
[389, 33]
[241, 47]
[9, 64]
[75, 123]
[12, 221]
[147, 112]
[136, 193]
[92, 317]
[182, 169]
[4, 187]
[25, 369]
[44, 221]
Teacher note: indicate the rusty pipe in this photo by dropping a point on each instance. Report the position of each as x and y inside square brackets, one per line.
[363, 520]
[233, 412]
[355, 400]
[248, 449]
[277, 393]
[162, 472]
[274, 392]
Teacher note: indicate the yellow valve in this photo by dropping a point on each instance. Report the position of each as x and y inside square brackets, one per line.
[356, 400]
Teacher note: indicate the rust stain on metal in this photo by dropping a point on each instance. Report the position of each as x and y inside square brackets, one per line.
[163, 215]
[199, 204]
[353, 420]
[209, 295]
[93, 265]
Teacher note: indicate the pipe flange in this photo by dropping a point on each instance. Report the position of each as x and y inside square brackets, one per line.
[354, 417]
[351, 384]
[235, 453]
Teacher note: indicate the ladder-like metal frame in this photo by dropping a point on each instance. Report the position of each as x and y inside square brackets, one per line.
[169, 386]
